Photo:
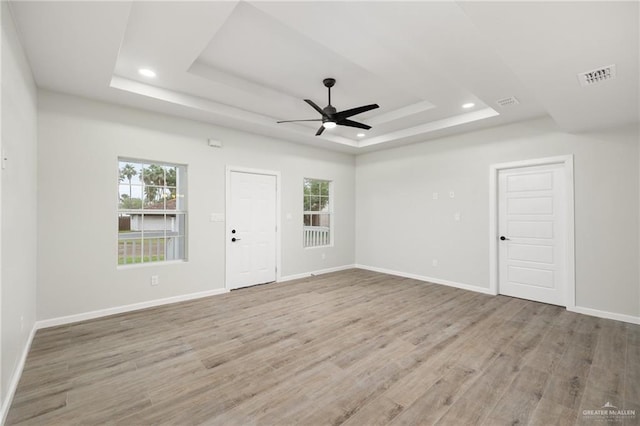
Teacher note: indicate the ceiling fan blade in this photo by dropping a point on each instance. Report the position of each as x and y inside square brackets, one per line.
[352, 123]
[294, 121]
[354, 111]
[316, 107]
[320, 130]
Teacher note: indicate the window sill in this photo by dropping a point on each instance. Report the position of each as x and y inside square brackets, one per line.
[318, 247]
[148, 264]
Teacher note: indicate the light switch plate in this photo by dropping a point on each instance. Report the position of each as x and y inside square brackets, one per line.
[216, 217]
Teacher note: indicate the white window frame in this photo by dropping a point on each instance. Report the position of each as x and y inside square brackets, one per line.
[330, 213]
[181, 190]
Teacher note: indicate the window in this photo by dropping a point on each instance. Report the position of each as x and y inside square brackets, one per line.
[317, 213]
[152, 212]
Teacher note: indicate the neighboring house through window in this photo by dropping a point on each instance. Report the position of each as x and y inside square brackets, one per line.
[152, 211]
[317, 213]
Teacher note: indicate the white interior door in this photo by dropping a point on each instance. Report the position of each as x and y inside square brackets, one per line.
[532, 233]
[251, 229]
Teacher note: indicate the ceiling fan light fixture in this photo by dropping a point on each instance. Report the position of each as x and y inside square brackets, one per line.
[361, 135]
[329, 124]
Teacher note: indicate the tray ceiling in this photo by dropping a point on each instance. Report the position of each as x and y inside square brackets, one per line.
[248, 64]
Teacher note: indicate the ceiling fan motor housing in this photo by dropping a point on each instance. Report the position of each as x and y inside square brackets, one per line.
[330, 110]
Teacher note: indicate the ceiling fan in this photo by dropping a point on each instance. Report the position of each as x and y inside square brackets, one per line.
[331, 117]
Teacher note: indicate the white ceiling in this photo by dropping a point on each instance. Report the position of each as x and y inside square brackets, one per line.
[246, 65]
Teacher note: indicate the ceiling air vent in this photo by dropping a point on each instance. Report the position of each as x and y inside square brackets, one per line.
[599, 75]
[506, 102]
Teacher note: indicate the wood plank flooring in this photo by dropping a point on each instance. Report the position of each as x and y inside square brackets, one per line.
[352, 348]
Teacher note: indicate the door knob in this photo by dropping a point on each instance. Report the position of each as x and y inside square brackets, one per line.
[233, 231]
[502, 238]
[234, 239]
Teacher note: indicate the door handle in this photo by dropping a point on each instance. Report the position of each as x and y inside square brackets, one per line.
[234, 239]
[502, 238]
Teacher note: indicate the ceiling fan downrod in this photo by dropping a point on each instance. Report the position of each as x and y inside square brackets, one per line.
[329, 83]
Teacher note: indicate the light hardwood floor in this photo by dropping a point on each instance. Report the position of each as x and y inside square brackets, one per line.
[352, 348]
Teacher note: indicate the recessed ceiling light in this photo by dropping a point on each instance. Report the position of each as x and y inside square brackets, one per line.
[147, 72]
[361, 135]
[468, 105]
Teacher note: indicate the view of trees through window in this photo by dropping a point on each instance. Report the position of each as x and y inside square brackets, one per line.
[317, 212]
[151, 212]
[151, 184]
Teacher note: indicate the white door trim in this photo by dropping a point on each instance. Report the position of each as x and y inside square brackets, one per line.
[567, 162]
[226, 215]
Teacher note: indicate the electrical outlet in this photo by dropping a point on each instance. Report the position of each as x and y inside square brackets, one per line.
[155, 280]
[452, 194]
[435, 195]
[434, 262]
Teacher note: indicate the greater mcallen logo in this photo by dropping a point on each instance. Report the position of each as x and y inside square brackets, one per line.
[609, 412]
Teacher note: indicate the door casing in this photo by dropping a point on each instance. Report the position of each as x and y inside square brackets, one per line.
[229, 170]
[567, 162]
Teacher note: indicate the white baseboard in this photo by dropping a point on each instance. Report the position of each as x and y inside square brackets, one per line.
[604, 314]
[319, 272]
[126, 308]
[158, 302]
[462, 286]
[577, 309]
[15, 378]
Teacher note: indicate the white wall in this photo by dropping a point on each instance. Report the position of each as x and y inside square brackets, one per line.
[18, 190]
[400, 227]
[79, 144]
